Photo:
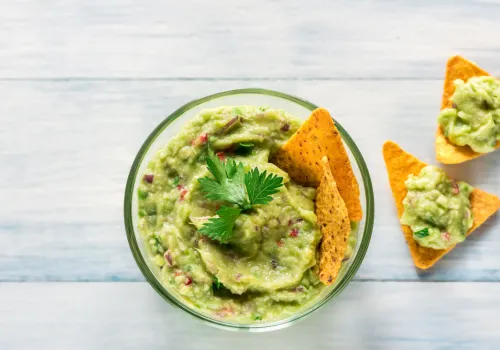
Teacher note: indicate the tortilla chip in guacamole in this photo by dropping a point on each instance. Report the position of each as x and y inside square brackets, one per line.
[333, 220]
[301, 158]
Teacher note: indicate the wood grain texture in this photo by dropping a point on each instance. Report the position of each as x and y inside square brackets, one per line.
[66, 148]
[82, 83]
[246, 39]
[370, 315]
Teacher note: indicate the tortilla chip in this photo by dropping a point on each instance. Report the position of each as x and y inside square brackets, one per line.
[301, 157]
[399, 166]
[446, 152]
[334, 223]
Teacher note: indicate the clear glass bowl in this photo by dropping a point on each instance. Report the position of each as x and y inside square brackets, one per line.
[257, 97]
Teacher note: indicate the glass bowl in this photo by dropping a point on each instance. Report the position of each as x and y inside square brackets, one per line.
[257, 97]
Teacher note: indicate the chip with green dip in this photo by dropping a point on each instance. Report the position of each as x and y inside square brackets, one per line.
[230, 233]
[429, 198]
[437, 209]
[447, 152]
[474, 117]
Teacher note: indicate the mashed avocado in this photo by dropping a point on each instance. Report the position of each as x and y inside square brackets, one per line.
[437, 209]
[474, 119]
[268, 269]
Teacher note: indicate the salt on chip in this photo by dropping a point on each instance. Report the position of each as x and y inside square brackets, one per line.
[301, 158]
[456, 68]
[399, 166]
[333, 220]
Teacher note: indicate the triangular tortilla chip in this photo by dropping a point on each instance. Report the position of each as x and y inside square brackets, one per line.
[333, 220]
[399, 166]
[301, 157]
[446, 152]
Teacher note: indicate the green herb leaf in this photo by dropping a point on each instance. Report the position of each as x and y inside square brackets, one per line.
[176, 180]
[422, 233]
[260, 186]
[235, 171]
[229, 191]
[229, 181]
[216, 284]
[142, 194]
[216, 166]
[220, 227]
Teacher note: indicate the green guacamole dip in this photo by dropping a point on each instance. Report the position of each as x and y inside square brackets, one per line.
[437, 209]
[268, 269]
[474, 119]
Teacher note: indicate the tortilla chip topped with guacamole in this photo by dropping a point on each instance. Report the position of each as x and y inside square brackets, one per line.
[460, 70]
[301, 158]
[400, 166]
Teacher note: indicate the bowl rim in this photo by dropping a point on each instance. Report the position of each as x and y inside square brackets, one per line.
[163, 292]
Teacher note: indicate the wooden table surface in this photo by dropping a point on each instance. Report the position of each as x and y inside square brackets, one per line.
[82, 83]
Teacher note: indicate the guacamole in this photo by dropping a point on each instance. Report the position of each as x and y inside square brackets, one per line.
[267, 270]
[474, 118]
[437, 209]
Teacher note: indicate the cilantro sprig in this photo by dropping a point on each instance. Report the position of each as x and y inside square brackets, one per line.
[231, 184]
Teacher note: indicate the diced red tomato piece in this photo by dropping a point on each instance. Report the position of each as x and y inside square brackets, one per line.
[200, 140]
[183, 191]
[294, 232]
[445, 236]
[281, 243]
[221, 156]
[183, 194]
[188, 281]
